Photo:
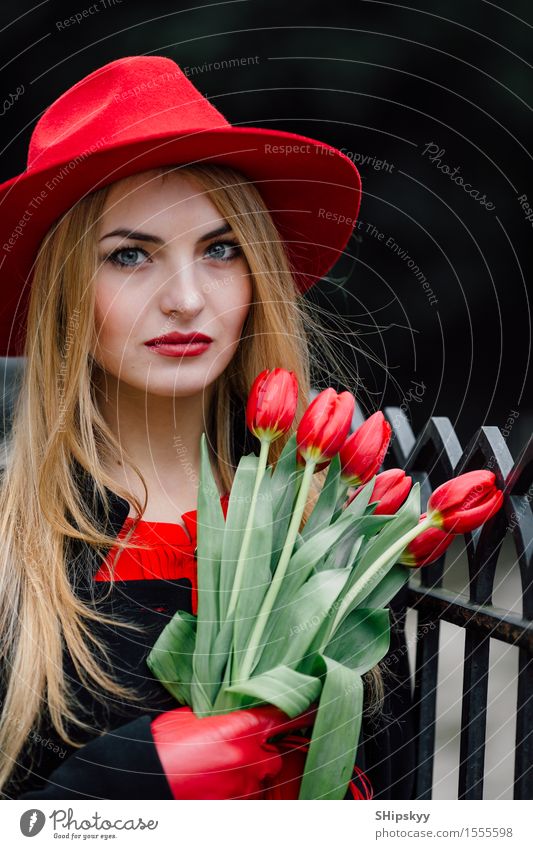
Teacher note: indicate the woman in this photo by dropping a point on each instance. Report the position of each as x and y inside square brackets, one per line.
[155, 217]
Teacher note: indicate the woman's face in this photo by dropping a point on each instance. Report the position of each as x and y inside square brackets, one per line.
[172, 277]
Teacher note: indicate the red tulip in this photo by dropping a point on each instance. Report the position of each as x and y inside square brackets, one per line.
[465, 502]
[426, 547]
[363, 452]
[324, 425]
[391, 488]
[272, 403]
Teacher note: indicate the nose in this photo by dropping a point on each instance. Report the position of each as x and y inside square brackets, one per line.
[182, 291]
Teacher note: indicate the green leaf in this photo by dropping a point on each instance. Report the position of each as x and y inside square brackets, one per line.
[309, 557]
[239, 504]
[210, 532]
[304, 560]
[288, 690]
[285, 467]
[286, 481]
[257, 575]
[406, 518]
[344, 552]
[335, 738]
[282, 519]
[359, 505]
[294, 623]
[326, 502]
[220, 656]
[362, 640]
[285, 478]
[360, 648]
[388, 587]
[170, 659]
[225, 701]
[361, 502]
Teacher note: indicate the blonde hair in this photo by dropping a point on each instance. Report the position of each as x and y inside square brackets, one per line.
[40, 613]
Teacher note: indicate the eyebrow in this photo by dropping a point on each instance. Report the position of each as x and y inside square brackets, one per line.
[148, 237]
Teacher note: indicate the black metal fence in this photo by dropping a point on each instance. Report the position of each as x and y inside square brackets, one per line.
[430, 459]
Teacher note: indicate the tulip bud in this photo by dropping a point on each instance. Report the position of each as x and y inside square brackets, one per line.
[363, 452]
[272, 403]
[465, 502]
[426, 547]
[324, 425]
[391, 488]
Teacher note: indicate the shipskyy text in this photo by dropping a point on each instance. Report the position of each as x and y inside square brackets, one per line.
[395, 817]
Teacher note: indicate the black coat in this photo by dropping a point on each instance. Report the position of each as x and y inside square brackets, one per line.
[122, 763]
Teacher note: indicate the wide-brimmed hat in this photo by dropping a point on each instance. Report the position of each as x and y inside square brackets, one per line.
[140, 112]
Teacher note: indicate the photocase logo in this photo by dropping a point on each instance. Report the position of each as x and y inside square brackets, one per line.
[32, 822]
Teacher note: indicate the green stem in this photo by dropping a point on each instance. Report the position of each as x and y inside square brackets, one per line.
[243, 553]
[273, 590]
[382, 563]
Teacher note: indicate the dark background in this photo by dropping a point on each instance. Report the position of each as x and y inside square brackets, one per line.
[380, 81]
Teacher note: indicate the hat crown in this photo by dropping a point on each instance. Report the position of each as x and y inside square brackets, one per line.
[120, 103]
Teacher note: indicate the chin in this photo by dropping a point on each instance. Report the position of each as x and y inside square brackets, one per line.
[176, 387]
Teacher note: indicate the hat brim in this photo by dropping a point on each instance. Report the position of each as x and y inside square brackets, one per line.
[311, 189]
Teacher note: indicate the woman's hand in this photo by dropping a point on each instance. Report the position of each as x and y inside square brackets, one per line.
[225, 756]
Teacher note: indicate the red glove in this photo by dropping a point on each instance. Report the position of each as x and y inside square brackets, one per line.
[287, 782]
[225, 756]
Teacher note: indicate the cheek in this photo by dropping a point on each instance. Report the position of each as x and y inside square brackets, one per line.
[233, 313]
[101, 311]
[114, 319]
[232, 304]
[106, 316]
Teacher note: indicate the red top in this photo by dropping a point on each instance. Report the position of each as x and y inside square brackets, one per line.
[172, 554]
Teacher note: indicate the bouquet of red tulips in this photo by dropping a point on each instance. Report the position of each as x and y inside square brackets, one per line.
[291, 618]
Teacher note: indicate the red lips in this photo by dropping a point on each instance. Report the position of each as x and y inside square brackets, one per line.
[176, 338]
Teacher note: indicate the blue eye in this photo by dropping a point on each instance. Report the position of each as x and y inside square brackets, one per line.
[125, 257]
[237, 250]
[114, 257]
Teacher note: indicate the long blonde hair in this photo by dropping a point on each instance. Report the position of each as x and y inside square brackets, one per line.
[56, 420]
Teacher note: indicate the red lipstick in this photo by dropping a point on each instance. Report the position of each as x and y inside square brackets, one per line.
[180, 344]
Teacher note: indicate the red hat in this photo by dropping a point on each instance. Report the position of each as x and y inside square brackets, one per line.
[140, 112]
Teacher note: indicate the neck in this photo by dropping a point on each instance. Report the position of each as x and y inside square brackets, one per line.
[162, 436]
